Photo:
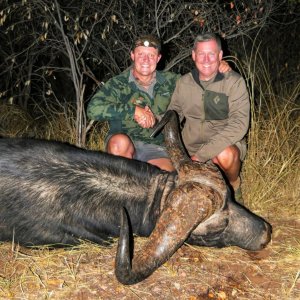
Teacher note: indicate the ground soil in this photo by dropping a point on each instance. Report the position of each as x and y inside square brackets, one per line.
[191, 273]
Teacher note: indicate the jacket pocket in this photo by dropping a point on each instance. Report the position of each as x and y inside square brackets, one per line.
[215, 106]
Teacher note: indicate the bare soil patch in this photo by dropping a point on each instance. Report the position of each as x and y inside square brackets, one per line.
[192, 273]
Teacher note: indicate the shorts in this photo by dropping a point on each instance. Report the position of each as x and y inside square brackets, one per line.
[243, 149]
[146, 152]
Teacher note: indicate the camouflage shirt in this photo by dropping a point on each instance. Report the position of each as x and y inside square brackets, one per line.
[115, 102]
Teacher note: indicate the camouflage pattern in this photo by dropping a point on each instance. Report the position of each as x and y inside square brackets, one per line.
[115, 102]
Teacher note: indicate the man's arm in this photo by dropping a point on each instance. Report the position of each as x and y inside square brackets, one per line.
[107, 103]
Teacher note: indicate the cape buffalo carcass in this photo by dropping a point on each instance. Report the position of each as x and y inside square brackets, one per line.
[56, 194]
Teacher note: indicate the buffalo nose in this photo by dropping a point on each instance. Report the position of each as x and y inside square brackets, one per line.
[266, 238]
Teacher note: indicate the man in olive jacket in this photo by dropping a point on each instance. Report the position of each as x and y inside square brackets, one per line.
[215, 108]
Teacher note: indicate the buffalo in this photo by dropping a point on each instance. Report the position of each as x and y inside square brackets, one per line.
[56, 194]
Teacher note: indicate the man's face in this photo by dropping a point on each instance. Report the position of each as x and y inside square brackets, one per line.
[207, 59]
[145, 60]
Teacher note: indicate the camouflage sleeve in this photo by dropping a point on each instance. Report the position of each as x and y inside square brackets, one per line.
[110, 104]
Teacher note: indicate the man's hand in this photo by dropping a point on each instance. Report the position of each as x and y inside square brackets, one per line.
[144, 117]
[224, 66]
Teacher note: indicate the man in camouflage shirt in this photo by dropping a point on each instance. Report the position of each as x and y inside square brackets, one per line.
[132, 101]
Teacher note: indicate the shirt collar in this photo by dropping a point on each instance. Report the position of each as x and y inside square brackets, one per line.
[159, 77]
[195, 74]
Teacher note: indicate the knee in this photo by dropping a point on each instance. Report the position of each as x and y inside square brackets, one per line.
[120, 144]
[228, 157]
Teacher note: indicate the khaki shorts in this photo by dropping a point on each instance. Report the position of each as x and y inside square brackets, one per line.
[243, 149]
[146, 152]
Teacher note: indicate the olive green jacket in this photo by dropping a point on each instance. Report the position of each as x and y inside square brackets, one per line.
[216, 116]
[116, 100]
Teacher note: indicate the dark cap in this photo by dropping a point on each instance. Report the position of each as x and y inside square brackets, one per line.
[147, 41]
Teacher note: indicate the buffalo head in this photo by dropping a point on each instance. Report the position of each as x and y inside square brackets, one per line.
[199, 210]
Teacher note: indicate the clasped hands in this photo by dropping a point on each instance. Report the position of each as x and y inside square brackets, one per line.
[144, 117]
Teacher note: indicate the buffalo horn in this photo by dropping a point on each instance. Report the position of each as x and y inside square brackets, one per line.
[173, 141]
[187, 205]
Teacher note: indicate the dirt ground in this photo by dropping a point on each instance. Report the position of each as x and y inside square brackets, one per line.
[192, 273]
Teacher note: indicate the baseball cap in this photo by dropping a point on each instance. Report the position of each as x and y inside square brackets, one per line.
[147, 41]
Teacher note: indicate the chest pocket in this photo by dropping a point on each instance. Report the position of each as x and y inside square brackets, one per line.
[140, 98]
[215, 106]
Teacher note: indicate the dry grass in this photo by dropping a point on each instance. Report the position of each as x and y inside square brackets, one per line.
[271, 179]
[97, 136]
[271, 170]
[270, 173]
[14, 121]
[86, 272]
